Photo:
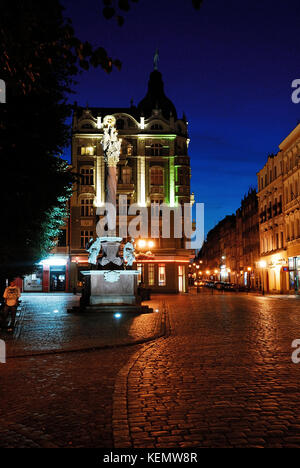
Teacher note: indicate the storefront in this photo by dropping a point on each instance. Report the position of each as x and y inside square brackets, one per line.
[51, 275]
[294, 273]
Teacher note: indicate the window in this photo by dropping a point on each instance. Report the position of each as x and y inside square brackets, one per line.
[87, 208]
[151, 274]
[126, 175]
[156, 127]
[87, 176]
[85, 236]
[87, 150]
[129, 150]
[62, 238]
[156, 176]
[140, 269]
[181, 276]
[183, 177]
[156, 149]
[161, 274]
[275, 172]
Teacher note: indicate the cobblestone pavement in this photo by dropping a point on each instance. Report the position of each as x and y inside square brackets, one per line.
[44, 324]
[222, 376]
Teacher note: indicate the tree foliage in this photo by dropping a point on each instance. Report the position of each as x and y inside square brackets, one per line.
[116, 8]
[40, 59]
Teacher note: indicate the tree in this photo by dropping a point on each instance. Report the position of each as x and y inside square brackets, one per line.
[41, 56]
[115, 9]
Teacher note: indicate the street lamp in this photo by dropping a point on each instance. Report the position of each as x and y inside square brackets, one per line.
[262, 264]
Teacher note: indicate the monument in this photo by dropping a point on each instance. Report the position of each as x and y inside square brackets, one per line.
[111, 283]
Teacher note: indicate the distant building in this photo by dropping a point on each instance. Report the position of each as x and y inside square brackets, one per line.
[218, 256]
[231, 250]
[248, 241]
[154, 167]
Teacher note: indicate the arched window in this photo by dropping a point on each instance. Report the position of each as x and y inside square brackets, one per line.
[87, 126]
[157, 176]
[156, 149]
[126, 175]
[87, 176]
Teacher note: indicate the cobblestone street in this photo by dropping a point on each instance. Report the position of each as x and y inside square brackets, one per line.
[221, 376]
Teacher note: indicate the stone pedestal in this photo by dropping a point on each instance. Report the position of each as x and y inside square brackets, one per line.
[112, 287]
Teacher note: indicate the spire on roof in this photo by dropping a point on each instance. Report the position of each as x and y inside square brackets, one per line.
[156, 60]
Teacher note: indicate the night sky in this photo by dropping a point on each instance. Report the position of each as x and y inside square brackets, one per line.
[229, 67]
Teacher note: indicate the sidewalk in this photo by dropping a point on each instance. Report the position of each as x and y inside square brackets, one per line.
[44, 325]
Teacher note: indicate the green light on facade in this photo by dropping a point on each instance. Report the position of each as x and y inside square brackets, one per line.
[172, 182]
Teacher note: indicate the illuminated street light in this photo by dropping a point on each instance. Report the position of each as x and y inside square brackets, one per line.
[142, 243]
[151, 244]
[207, 272]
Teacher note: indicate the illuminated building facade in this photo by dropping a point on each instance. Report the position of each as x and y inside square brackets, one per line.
[290, 157]
[272, 230]
[154, 167]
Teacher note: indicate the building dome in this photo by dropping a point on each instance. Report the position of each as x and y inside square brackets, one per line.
[156, 98]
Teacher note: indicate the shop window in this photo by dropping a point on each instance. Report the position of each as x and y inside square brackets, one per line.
[34, 282]
[85, 237]
[161, 274]
[181, 276]
[151, 274]
[140, 269]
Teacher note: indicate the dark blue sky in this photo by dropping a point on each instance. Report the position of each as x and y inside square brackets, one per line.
[229, 66]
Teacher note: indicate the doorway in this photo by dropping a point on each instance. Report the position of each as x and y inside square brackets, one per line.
[57, 278]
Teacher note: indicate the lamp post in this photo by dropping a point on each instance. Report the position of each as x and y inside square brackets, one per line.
[262, 264]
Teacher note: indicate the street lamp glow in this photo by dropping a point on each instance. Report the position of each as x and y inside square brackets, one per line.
[142, 243]
[117, 315]
[262, 263]
[207, 272]
[151, 244]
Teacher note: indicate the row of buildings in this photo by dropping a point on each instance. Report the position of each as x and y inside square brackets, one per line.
[154, 167]
[259, 246]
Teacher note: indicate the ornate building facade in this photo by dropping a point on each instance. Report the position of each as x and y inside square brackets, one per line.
[154, 168]
[272, 232]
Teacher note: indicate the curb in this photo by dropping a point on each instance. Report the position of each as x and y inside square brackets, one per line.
[120, 423]
[157, 334]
